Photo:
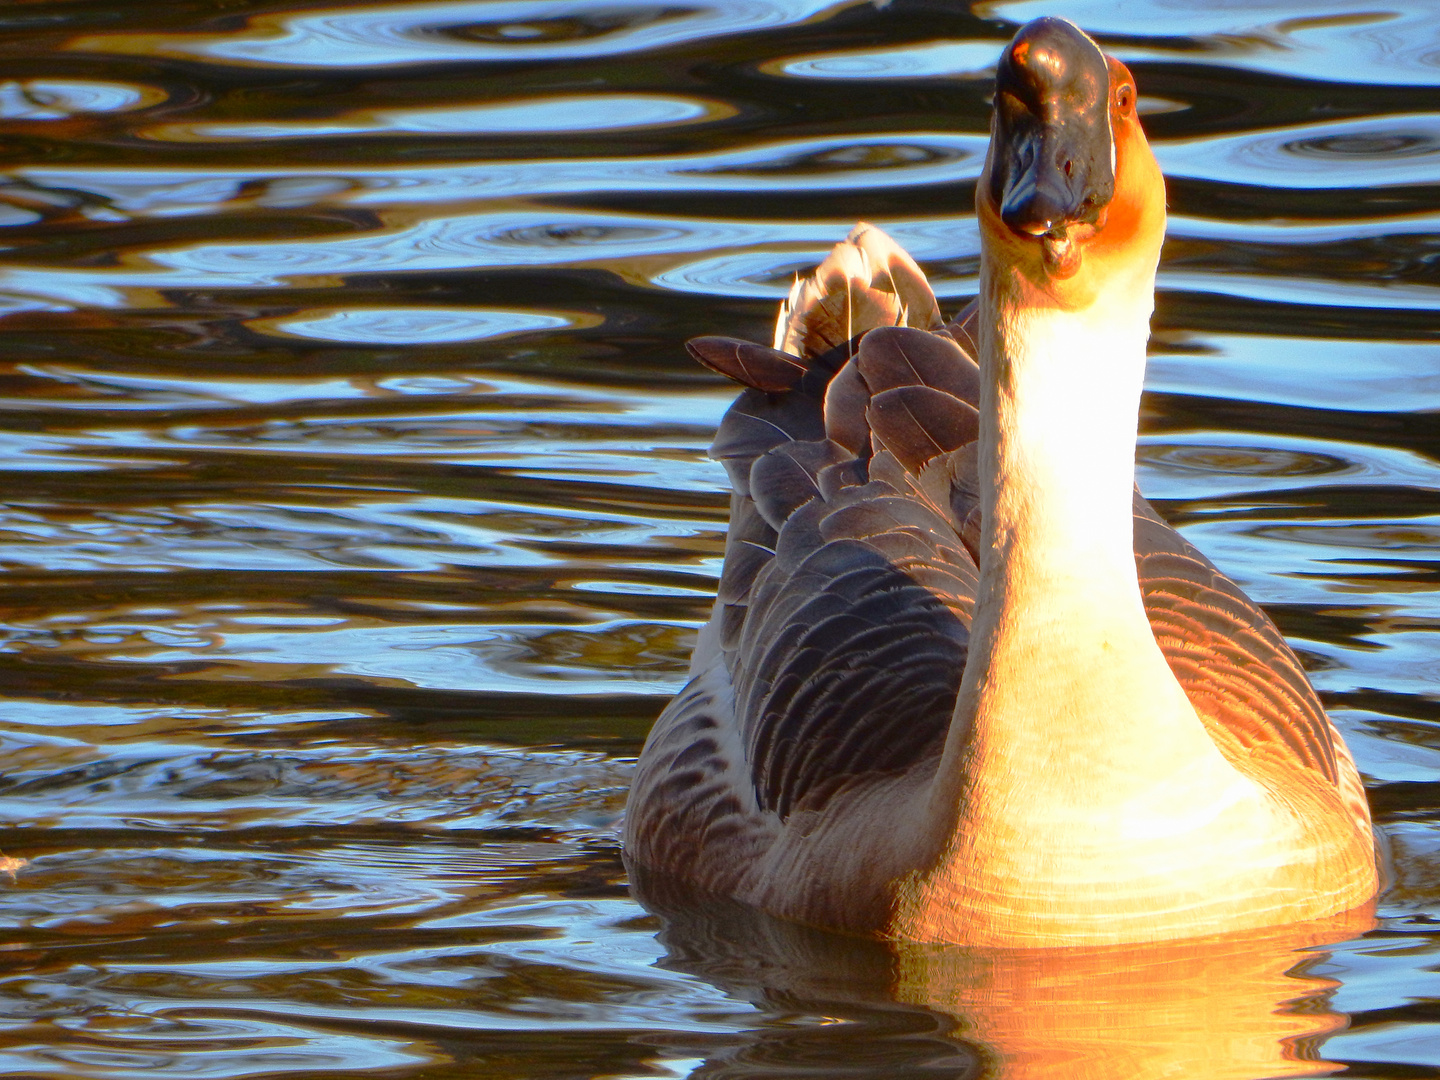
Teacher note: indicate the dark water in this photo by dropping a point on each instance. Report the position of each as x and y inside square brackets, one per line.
[358, 519]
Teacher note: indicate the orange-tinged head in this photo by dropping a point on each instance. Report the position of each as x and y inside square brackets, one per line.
[1071, 196]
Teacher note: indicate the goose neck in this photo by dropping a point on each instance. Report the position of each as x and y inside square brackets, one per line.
[1064, 684]
[1060, 397]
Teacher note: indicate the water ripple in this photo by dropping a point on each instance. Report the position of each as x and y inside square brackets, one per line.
[829, 163]
[500, 239]
[952, 59]
[1364, 153]
[1390, 42]
[398, 326]
[535, 118]
[468, 31]
[1397, 376]
[58, 99]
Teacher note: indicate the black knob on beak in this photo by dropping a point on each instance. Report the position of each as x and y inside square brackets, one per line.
[1053, 162]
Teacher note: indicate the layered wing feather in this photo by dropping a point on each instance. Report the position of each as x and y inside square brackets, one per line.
[1246, 683]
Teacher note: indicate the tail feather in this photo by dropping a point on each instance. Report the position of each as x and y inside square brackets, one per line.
[866, 281]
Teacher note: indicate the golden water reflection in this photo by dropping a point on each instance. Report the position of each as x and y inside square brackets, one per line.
[1235, 1007]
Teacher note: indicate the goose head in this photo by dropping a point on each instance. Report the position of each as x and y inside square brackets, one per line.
[1071, 196]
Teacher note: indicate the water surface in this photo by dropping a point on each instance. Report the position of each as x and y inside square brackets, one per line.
[358, 520]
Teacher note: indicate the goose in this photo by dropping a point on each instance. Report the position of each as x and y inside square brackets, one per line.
[961, 683]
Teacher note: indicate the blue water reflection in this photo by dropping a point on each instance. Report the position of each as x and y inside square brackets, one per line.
[520, 30]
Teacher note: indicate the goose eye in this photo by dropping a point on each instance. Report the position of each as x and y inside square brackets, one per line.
[1125, 98]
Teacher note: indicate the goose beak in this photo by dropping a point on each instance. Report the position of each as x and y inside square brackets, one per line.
[1053, 152]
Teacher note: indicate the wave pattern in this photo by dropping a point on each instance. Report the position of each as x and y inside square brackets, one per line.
[358, 520]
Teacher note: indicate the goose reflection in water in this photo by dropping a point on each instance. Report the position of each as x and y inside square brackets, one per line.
[1240, 1006]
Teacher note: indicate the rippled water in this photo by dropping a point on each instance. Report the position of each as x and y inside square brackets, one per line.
[358, 519]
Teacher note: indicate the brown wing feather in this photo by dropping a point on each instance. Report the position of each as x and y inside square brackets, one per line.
[853, 646]
[745, 362]
[691, 792]
[1244, 680]
[827, 562]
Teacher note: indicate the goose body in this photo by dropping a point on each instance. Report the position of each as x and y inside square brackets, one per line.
[961, 683]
